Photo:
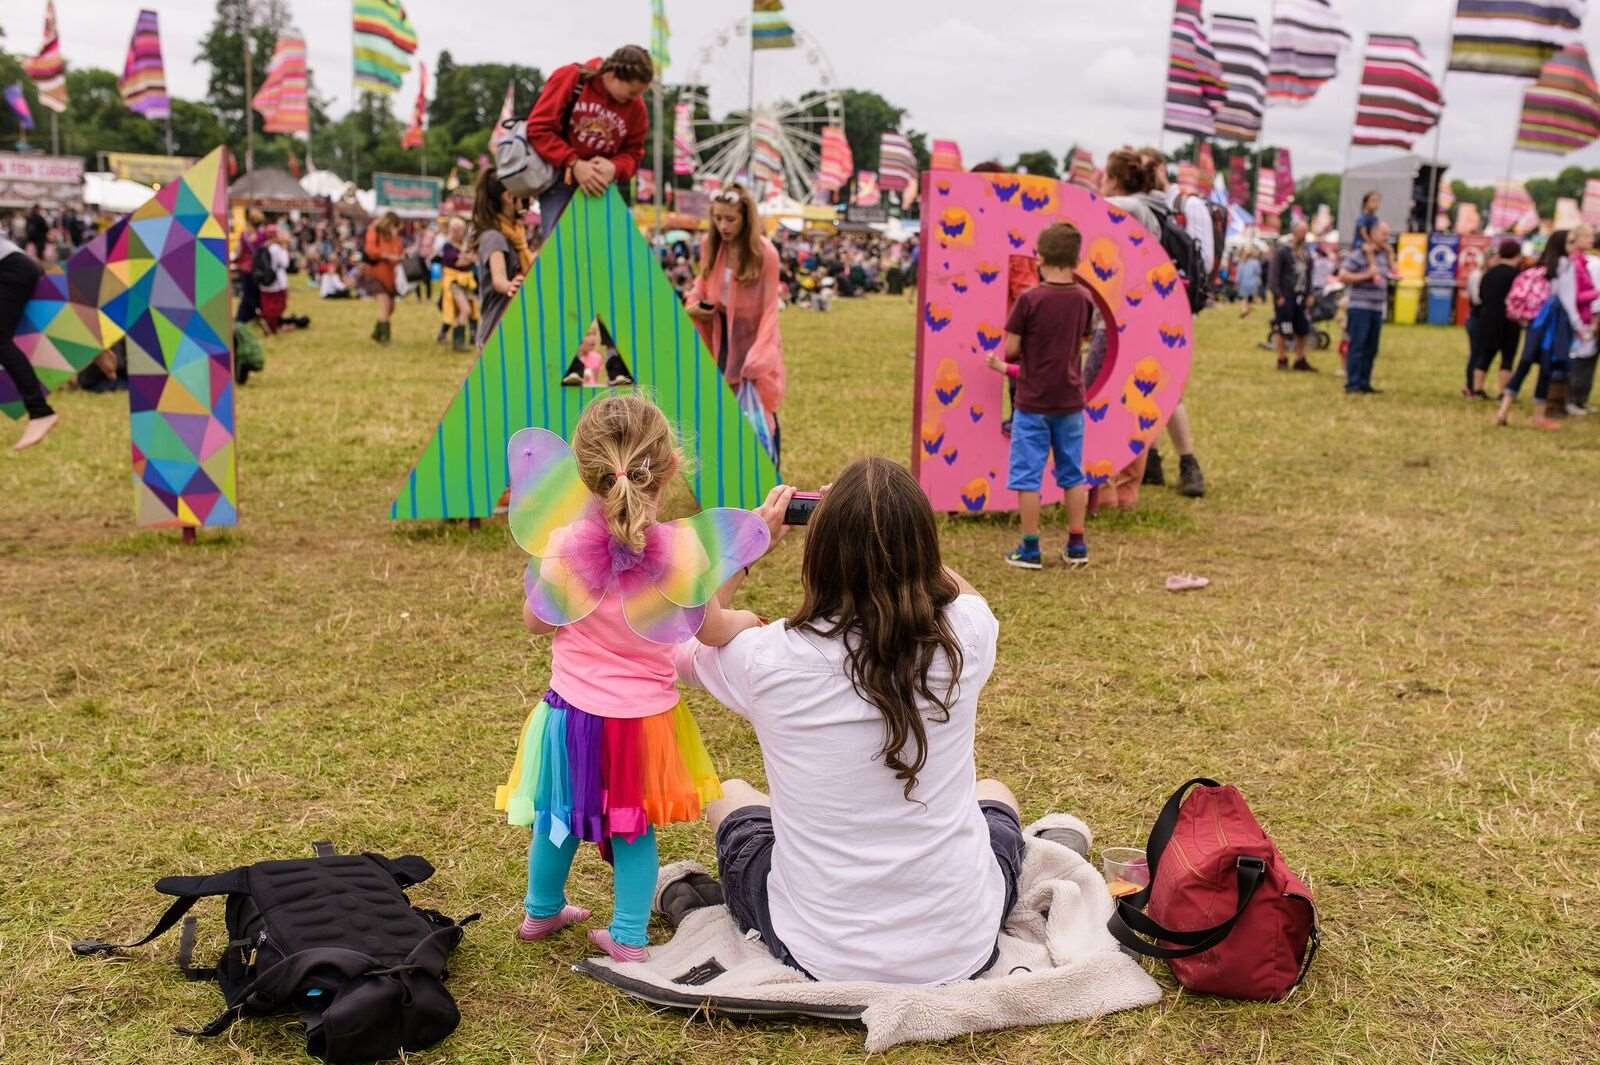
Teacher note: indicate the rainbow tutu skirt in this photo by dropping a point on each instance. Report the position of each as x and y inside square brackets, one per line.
[592, 777]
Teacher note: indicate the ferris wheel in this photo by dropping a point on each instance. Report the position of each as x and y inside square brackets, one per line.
[772, 102]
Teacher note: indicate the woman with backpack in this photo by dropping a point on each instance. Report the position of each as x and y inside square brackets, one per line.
[382, 249]
[589, 123]
[1563, 326]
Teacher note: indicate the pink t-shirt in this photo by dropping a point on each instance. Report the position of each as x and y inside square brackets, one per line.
[604, 668]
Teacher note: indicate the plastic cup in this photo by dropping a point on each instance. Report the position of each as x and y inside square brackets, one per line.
[1125, 869]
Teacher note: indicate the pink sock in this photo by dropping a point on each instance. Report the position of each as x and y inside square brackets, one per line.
[540, 927]
[601, 938]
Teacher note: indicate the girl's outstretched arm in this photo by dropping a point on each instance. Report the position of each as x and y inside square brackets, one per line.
[530, 619]
[722, 624]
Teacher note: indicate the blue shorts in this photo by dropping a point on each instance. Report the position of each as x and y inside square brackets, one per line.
[1034, 438]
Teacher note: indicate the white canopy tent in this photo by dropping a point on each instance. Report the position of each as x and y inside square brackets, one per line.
[114, 195]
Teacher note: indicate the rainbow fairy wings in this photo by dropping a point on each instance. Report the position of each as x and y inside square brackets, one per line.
[576, 562]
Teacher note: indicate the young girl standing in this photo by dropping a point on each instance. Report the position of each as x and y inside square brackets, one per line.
[611, 752]
[382, 250]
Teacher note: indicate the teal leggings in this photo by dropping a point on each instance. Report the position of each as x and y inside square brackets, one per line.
[634, 867]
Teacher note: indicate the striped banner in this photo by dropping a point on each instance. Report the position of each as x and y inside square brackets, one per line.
[1399, 101]
[1188, 179]
[1513, 38]
[1242, 50]
[683, 149]
[1267, 203]
[18, 102]
[897, 162]
[766, 159]
[1081, 170]
[383, 43]
[1591, 202]
[946, 155]
[47, 69]
[144, 79]
[1195, 89]
[1510, 207]
[837, 163]
[1207, 165]
[660, 36]
[867, 193]
[1308, 39]
[1561, 111]
[282, 99]
[768, 26]
[1282, 177]
[1238, 182]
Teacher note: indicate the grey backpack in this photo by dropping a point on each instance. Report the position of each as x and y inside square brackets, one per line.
[520, 168]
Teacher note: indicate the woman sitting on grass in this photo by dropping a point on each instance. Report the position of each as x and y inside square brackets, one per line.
[880, 855]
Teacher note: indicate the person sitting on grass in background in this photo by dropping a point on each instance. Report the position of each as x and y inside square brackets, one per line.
[1044, 352]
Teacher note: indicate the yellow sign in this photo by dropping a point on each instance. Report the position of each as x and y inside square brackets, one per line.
[1412, 262]
[148, 169]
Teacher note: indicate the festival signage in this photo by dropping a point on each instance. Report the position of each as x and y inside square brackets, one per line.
[55, 181]
[148, 169]
[408, 195]
[859, 213]
[1444, 249]
[692, 201]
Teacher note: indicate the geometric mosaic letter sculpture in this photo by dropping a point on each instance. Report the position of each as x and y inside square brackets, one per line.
[973, 225]
[157, 278]
[595, 264]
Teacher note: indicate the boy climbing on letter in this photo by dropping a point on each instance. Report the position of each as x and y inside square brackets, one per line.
[1044, 353]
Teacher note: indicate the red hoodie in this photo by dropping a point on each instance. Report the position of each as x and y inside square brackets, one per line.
[600, 126]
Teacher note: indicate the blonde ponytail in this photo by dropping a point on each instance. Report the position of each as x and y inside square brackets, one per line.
[626, 455]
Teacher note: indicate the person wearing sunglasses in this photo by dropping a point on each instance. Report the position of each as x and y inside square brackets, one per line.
[735, 300]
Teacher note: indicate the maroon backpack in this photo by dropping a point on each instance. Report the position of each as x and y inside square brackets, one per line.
[1226, 912]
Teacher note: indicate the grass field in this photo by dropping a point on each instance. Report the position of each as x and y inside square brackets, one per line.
[1397, 661]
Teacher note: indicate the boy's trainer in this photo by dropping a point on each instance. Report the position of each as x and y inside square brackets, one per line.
[1026, 554]
[1076, 554]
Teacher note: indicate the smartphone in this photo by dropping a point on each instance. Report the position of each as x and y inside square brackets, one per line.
[800, 508]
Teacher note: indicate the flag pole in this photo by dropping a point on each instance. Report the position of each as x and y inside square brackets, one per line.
[1428, 223]
[750, 110]
[249, 116]
[55, 132]
[1166, 86]
[661, 177]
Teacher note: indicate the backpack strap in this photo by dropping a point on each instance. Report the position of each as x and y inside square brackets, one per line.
[1127, 921]
[188, 889]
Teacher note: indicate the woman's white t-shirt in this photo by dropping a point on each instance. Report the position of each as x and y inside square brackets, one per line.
[865, 884]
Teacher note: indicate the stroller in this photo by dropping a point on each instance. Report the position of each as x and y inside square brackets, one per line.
[1325, 308]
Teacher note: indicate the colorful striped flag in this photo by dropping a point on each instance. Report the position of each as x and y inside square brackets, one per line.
[766, 157]
[1561, 111]
[1282, 177]
[47, 69]
[1207, 165]
[1188, 179]
[1308, 38]
[837, 163]
[282, 99]
[867, 193]
[1195, 91]
[897, 162]
[1267, 203]
[412, 137]
[1512, 37]
[1399, 101]
[383, 43]
[1510, 206]
[1238, 182]
[19, 104]
[660, 34]
[144, 78]
[1081, 169]
[768, 26]
[1242, 50]
[946, 155]
[683, 149]
[1591, 202]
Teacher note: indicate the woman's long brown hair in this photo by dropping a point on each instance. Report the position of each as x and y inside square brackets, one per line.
[745, 249]
[873, 578]
[486, 207]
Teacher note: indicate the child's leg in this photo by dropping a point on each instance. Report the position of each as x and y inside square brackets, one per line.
[1028, 511]
[1077, 504]
[634, 874]
[548, 866]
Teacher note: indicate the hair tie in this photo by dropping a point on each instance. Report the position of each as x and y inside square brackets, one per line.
[619, 474]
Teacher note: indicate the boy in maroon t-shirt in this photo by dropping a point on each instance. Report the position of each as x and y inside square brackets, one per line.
[1044, 352]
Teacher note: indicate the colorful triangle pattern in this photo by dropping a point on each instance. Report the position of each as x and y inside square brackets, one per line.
[595, 264]
[159, 278]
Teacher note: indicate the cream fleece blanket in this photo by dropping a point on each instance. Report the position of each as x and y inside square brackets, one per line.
[1057, 963]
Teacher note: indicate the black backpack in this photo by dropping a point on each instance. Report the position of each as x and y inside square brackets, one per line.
[262, 272]
[1185, 253]
[332, 938]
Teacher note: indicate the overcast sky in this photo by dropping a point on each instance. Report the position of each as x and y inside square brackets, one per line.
[1044, 74]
